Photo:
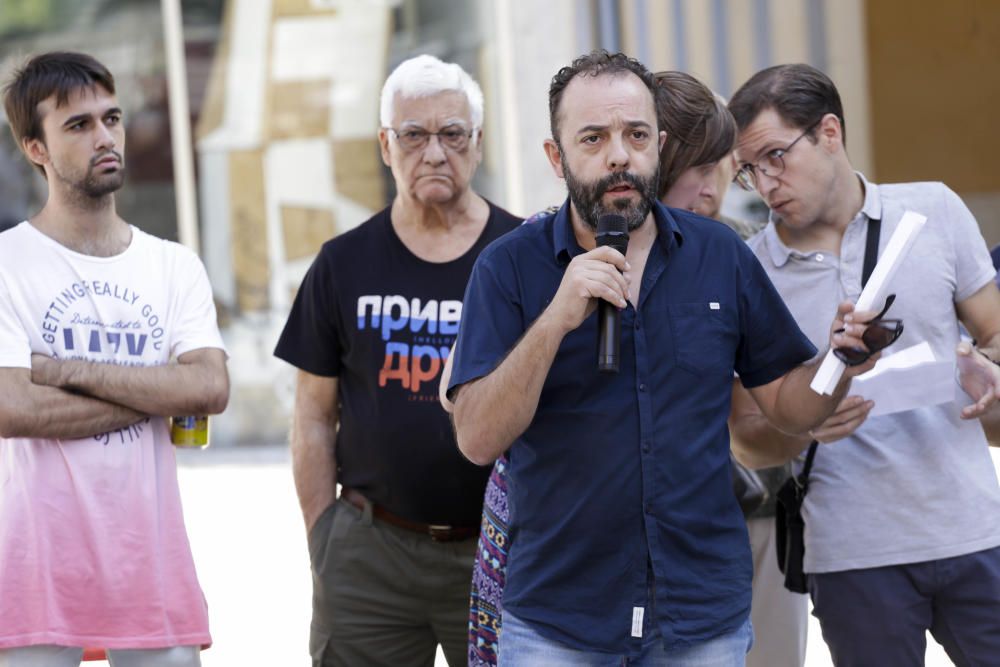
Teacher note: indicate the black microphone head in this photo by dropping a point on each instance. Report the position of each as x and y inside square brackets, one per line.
[612, 230]
[612, 222]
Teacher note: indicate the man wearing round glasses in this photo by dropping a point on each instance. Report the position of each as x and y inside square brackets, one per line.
[370, 330]
[903, 514]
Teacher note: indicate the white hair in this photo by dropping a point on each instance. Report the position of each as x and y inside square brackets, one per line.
[426, 75]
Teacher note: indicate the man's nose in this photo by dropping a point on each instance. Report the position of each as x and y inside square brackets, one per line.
[434, 150]
[618, 157]
[105, 138]
[765, 184]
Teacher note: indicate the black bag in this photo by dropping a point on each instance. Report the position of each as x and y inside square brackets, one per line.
[747, 486]
[789, 528]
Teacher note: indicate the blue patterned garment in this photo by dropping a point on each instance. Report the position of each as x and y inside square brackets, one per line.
[490, 571]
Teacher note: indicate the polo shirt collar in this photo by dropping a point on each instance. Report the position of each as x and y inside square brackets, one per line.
[872, 206]
[566, 247]
[776, 248]
[871, 209]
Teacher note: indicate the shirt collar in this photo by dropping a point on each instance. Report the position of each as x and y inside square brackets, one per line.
[872, 206]
[776, 248]
[871, 209]
[668, 231]
[566, 247]
[563, 238]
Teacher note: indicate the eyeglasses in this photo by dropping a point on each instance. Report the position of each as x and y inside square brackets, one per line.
[454, 137]
[879, 335]
[772, 164]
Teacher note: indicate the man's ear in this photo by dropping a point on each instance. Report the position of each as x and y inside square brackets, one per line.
[383, 144]
[663, 140]
[554, 156]
[478, 146]
[36, 151]
[831, 132]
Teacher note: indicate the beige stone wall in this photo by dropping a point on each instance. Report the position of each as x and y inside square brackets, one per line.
[293, 110]
[282, 8]
[306, 229]
[358, 171]
[298, 109]
[287, 139]
[249, 233]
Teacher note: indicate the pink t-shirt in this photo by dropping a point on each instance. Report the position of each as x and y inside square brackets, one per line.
[93, 550]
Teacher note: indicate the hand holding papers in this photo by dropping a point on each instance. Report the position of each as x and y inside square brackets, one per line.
[832, 368]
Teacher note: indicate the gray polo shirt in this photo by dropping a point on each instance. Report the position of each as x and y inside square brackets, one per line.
[911, 486]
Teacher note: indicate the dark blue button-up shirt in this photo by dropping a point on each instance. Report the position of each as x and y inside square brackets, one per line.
[619, 473]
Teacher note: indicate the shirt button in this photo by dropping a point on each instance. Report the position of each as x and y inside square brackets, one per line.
[637, 325]
[642, 387]
[819, 257]
[649, 508]
[646, 447]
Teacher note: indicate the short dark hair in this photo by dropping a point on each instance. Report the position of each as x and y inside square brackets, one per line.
[594, 64]
[700, 129]
[800, 94]
[58, 73]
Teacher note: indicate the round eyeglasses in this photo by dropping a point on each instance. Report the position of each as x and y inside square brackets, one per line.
[772, 164]
[454, 137]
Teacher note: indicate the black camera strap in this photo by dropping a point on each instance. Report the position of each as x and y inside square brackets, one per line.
[871, 256]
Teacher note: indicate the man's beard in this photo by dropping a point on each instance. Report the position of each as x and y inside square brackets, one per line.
[587, 198]
[94, 186]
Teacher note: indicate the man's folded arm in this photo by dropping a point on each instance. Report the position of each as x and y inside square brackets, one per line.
[29, 410]
[196, 384]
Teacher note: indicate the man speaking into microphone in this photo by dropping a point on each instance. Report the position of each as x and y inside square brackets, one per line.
[626, 538]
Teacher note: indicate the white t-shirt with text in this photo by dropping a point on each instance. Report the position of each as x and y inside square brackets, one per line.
[93, 550]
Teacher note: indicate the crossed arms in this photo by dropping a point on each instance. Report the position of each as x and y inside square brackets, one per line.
[65, 399]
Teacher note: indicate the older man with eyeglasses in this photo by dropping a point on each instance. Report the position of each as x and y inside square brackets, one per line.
[902, 514]
[370, 331]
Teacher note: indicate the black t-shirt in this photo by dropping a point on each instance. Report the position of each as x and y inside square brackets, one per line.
[382, 321]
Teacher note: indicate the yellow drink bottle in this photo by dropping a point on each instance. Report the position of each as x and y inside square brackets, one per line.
[189, 431]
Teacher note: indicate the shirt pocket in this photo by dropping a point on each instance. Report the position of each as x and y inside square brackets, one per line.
[705, 336]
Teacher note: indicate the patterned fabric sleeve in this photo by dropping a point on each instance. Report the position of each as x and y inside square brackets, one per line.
[490, 571]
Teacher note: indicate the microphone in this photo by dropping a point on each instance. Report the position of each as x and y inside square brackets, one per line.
[612, 230]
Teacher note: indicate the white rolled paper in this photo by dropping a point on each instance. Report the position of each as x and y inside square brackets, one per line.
[832, 368]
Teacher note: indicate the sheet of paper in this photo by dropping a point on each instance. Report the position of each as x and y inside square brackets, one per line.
[872, 296]
[907, 380]
[920, 353]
